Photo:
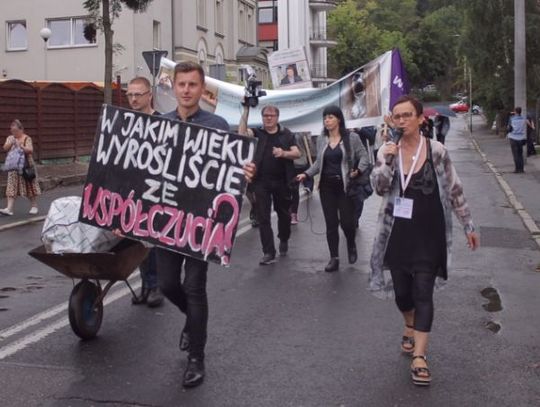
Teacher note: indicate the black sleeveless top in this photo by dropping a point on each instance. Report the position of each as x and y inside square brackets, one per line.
[420, 242]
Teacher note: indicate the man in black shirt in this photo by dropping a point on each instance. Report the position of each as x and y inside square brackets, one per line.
[276, 151]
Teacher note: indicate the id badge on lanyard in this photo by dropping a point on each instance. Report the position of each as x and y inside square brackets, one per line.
[403, 207]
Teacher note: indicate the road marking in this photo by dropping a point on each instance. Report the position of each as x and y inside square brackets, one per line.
[42, 333]
[526, 218]
[36, 319]
[39, 334]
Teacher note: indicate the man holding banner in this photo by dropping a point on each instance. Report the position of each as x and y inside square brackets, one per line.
[190, 295]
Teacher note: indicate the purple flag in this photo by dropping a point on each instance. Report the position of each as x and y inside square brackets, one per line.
[399, 85]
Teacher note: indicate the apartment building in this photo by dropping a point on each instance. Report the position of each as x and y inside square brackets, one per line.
[284, 24]
[302, 23]
[216, 33]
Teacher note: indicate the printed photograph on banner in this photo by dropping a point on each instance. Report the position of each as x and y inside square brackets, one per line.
[174, 184]
[164, 98]
[360, 93]
[289, 69]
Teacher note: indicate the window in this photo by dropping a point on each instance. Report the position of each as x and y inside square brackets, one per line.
[250, 26]
[156, 35]
[267, 15]
[241, 22]
[219, 16]
[16, 35]
[201, 13]
[71, 32]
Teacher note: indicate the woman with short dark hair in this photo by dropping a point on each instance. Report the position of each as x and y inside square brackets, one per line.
[420, 190]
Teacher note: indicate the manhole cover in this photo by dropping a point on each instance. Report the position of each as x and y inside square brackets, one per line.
[506, 238]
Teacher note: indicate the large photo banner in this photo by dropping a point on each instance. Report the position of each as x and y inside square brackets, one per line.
[365, 96]
[173, 184]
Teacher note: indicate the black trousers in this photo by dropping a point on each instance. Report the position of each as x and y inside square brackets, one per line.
[530, 143]
[440, 138]
[338, 210]
[413, 287]
[517, 153]
[278, 194]
[189, 296]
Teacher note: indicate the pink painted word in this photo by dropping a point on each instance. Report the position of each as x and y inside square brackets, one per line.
[179, 229]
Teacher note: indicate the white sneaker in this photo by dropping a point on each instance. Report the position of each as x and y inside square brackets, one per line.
[33, 210]
[6, 212]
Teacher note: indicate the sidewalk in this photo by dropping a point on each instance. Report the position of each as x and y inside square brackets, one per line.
[521, 189]
[56, 180]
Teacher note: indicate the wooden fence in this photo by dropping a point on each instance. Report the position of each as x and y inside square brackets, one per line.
[61, 121]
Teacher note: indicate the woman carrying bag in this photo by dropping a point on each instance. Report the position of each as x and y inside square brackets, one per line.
[341, 157]
[21, 182]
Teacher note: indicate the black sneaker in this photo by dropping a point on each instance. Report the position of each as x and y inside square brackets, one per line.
[194, 374]
[155, 298]
[268, 259]
[283, 248]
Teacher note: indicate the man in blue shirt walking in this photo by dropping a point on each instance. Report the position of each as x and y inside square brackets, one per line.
[518, 137]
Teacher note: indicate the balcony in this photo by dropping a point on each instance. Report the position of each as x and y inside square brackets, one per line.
[322, 5]
[318, 38]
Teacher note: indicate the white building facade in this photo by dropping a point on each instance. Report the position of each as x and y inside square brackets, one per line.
[208, 31]
[302, 23]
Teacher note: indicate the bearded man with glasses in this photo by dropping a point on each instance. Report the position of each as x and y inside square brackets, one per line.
[139, 94]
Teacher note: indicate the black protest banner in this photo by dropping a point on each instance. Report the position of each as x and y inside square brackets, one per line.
[174, 184]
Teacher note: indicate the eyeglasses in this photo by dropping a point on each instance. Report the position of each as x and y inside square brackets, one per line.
[136, 95]
[267, 116]
[404, 116]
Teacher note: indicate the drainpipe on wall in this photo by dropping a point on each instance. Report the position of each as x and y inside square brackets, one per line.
[173, 31]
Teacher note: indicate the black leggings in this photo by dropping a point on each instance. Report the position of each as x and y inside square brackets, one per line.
[414, 291]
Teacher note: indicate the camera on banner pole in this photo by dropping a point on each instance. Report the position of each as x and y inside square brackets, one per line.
[253, 87]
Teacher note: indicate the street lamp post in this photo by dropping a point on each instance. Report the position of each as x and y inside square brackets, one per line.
[45, 34]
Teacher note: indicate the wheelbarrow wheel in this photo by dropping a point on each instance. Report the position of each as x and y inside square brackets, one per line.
[85, 317]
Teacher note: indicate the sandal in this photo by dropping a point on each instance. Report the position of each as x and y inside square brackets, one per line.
[407, 343]
[420, 375]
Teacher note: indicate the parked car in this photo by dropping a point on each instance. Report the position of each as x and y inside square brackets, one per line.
[460, 107]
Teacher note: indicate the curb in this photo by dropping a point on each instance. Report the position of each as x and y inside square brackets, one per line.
[35, 219]
[526, 218]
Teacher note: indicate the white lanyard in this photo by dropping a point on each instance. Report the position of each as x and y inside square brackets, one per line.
[405, 182]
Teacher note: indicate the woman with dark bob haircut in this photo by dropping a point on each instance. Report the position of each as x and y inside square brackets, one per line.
[420, 190]
[341, 156]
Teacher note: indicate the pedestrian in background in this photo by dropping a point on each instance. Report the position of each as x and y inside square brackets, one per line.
[17, 185]
[139, 95]
[531, 150]
[276, 151]
[336, 150]
[420, 189]
[442, 126]
[517, 134]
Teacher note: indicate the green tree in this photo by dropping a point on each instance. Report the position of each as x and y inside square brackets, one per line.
[359, 39]
[435, 43]
[103, 12]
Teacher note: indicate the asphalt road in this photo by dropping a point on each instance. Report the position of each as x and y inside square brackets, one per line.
[289, 334]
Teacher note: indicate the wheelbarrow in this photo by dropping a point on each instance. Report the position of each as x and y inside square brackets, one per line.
[85, 307]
